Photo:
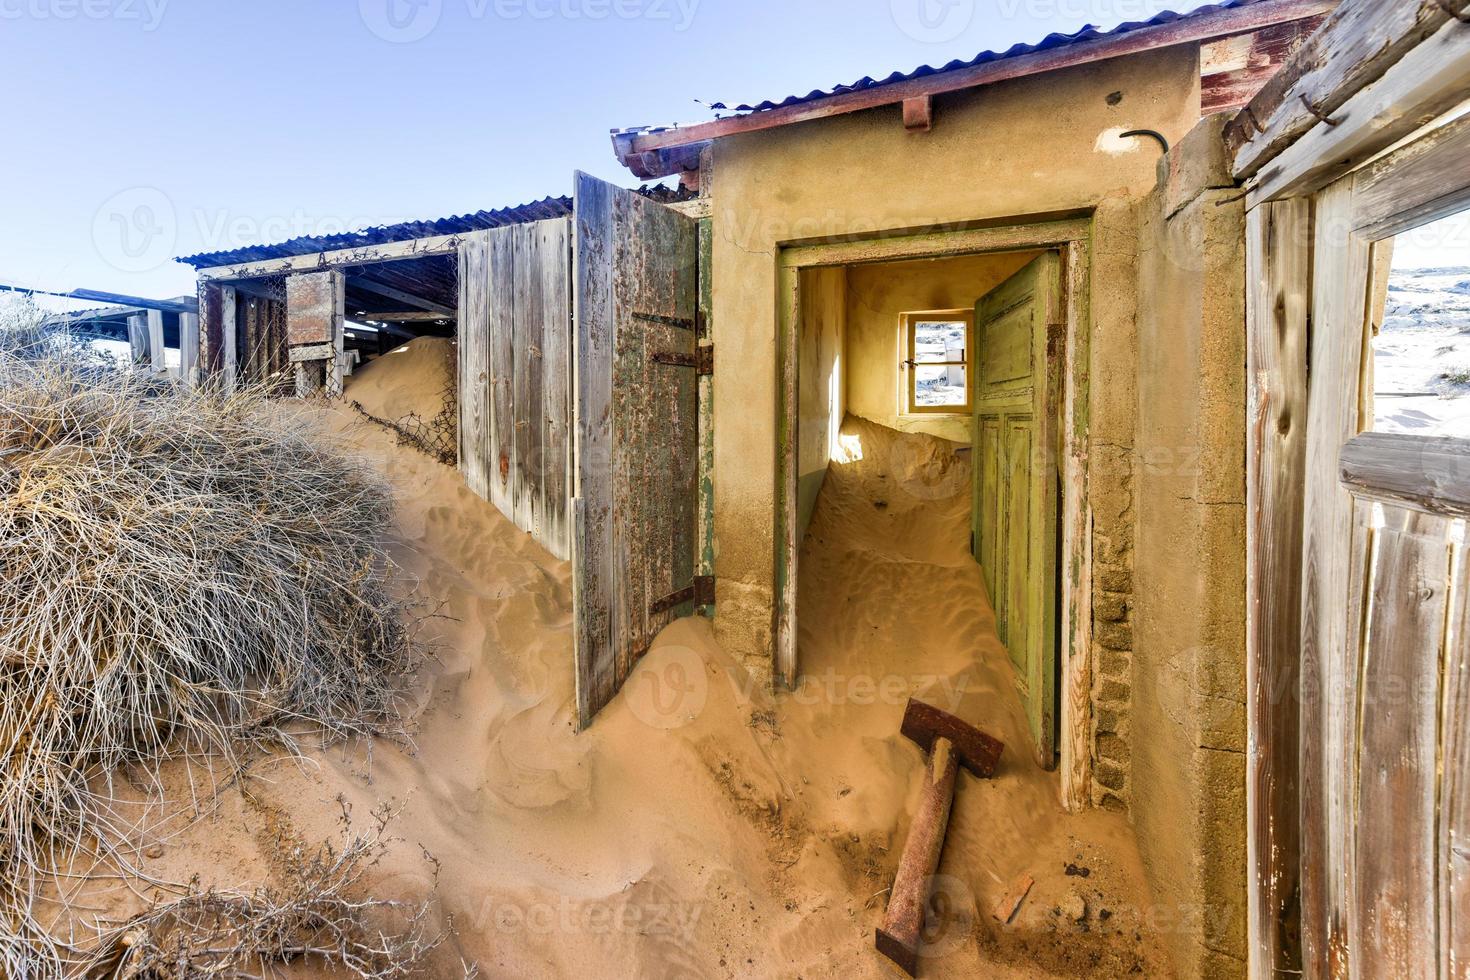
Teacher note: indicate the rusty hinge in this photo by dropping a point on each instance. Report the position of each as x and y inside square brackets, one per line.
[676, 359]
[682, 322]
[702, 360]
[701, 593]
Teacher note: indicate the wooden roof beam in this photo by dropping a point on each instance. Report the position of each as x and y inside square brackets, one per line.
[918, 114]
[369, 285]
[413, 248]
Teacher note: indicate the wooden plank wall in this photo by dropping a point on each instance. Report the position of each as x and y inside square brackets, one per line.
[515, 374]
[637, 430]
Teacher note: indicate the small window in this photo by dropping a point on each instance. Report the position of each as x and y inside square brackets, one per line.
[1419, 374]
[937, 361]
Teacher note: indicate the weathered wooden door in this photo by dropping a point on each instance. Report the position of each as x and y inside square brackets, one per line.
[1018, 339]
[635, 294]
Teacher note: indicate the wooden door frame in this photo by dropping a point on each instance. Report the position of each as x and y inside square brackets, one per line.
[1072, 238]
[1335, 157]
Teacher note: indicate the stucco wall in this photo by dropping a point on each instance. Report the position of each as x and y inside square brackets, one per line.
[1189, 641]
[877, 294]
[1011, 151]
[821, 394]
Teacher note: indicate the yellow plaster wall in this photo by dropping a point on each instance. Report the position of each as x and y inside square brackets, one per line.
[877, 293]
[1029, 147]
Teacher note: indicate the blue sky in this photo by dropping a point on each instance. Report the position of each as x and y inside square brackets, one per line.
[141, 129]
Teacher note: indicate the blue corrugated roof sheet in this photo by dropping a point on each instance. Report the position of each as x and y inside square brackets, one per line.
[551, 207]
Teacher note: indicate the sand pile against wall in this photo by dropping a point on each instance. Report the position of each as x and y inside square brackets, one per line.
[701, 827]
[411, 392]
[415, 379]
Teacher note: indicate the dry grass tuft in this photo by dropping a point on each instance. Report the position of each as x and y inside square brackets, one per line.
[181, 573]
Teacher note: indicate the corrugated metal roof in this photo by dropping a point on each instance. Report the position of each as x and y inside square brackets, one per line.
[551, 207]
[1051, 41]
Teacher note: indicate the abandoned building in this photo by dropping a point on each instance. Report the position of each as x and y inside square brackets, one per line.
[1101, 286]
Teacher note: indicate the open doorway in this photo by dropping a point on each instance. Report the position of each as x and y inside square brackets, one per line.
[927, 424]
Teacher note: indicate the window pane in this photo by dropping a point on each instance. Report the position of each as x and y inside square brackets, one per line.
[936, 387]
[1421, 356]
[942, 340]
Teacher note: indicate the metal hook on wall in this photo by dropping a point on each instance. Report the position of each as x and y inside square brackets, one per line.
[1150, 133]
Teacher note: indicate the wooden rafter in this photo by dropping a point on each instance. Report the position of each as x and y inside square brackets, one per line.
[369, 285]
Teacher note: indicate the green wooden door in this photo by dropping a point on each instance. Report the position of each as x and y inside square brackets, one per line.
[1018, 331]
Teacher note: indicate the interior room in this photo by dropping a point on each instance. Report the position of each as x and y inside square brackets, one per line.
[904, 546]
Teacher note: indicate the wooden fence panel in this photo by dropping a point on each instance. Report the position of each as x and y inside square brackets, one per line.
[515, 374]
[474, 362]
[554, 246]
[504, 486]
[528, 384]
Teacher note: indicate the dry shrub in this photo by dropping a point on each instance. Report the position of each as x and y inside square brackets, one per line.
[181, 572]
[316, 916]
[28, 332]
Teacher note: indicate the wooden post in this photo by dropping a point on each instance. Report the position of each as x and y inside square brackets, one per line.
[335, 367]
[138, 339]
[157, 356]
[189, 348]
[1278, 308]
[229, 363]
